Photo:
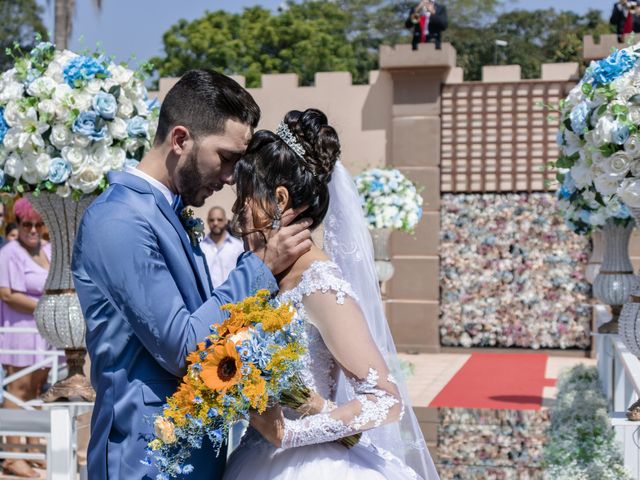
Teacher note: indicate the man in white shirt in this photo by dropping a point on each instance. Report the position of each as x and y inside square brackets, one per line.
[220, 249]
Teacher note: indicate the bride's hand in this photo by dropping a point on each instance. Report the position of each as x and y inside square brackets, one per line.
[279, 248]
[315, 404]
[270, 424]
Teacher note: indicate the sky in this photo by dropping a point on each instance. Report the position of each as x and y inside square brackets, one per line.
[134, 28]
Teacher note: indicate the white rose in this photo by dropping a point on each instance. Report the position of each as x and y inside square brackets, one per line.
[141, 107]
[629, 192]
[117, 158]
[11, 91]
[60, 136]
[14, 166]
[581, 174]
[47, 106]
[63, 190]
[125, 107]
[30, 175]
[634, 115]
[618, 163]
[101, 157]
[120, 74]
[602, 133]
[635, 168]
[87, 179]
[76, 156]
[82, 101]
[42, 87]
[62, 92]
[240, 336]
[80, 141]
[94, 86]
[607, 183]
[572, 143]
[14, 115]
[42, 164]
[632, 146]
[12, 138]
[118, 128]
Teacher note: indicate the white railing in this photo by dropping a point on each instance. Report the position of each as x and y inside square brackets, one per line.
[619, 372]
[50, 360]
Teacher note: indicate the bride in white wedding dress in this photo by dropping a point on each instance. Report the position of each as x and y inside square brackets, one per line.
[351, 361]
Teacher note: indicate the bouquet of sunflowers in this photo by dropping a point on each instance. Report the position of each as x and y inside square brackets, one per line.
[247, 362]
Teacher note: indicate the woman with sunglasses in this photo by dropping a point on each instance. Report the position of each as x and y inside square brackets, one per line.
[24, 265]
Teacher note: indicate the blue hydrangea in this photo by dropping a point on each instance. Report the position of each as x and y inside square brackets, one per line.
[610, 68]
[3, 125]
[623, 213]
[82, 68]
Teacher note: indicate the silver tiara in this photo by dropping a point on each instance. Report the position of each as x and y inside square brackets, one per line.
[287, 137]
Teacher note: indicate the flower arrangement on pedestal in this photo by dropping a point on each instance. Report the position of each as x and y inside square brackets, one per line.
[65, 121]
[599, 166]
[390, 201]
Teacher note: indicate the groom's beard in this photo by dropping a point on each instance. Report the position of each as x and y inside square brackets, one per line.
[190, 180]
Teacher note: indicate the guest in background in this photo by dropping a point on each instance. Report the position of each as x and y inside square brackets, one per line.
[10, 232]
[220, 248]
[24, 265]
[625, 17]
[428, 20]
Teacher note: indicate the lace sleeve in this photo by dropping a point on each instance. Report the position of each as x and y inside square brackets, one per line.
[344, 330]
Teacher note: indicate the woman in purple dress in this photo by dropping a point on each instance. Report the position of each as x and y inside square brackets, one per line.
[24, 264]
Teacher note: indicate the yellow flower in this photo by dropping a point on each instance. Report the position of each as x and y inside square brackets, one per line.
[254, 389]
[165, 430]
[155, 444]
[222, 367]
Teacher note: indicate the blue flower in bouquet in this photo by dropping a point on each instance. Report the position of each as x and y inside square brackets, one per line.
[3, 125]
[585, 216]
[2, 178]
[32, 74]
[257, 349]
[620, 133]
[560, 138]
[82, 68]
[578, 118]
[610, 68]
[105, 105]
[89, 125]
[153, 103]
[59, 170]
[137, 127]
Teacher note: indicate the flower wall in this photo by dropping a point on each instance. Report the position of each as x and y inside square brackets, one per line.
[511, 273]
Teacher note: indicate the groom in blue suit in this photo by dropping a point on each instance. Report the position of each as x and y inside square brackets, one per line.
[143, 283]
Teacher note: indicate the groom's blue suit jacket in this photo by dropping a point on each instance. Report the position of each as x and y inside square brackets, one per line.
[147, 301]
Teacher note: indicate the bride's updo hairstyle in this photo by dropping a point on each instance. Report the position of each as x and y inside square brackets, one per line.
[269, 163]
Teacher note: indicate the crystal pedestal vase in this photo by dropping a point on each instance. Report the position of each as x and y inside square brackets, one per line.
[384, 267]
[629, 328]
[596, 257]
[615, 279]
[58, 314]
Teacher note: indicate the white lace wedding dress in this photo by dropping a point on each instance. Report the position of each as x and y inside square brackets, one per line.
[338, 338]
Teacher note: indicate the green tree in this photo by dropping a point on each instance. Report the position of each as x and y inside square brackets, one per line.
[306, 38]
[533, 37]
[22, 21]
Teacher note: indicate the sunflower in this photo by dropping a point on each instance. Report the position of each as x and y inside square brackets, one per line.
[222, 367]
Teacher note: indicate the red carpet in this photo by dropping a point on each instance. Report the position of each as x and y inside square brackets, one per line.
[509, 381]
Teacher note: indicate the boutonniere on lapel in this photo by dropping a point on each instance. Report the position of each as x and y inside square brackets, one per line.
[193, 225]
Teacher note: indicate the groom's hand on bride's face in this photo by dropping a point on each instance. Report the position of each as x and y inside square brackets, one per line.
[286, 244]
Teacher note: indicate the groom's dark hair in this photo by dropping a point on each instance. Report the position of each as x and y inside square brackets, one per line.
[202, 101]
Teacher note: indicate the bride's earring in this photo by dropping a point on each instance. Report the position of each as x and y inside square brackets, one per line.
[275, 225]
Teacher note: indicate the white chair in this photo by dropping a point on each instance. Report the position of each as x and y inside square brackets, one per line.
[57, 424]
